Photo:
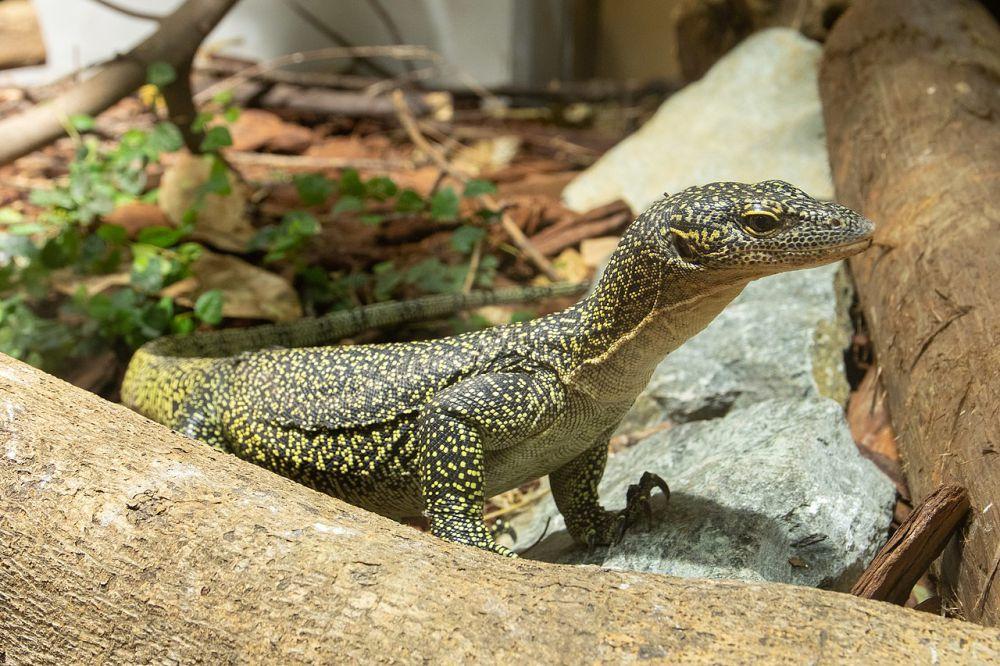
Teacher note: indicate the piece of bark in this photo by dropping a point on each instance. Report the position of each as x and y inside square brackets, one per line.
[21, 42]
[354, 104]
[901, 562]
[174, 42]
[557, 238]
[909, 90]
[121, 541]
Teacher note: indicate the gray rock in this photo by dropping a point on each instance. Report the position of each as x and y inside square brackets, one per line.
[784, 336]
[776, 491]
[754, 116]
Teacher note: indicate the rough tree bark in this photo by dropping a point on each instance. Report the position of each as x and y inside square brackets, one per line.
[121, 541]
[909, 91]
[174, 42]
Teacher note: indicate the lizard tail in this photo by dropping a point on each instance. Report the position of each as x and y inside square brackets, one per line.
[164, 372]
[312, 332]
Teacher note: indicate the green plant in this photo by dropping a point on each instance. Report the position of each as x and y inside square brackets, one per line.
[66, 244]
[375, 201]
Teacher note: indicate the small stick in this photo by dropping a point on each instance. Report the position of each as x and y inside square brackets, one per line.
[470, 277]
[910, 550]
[314, 162]
[522, 242]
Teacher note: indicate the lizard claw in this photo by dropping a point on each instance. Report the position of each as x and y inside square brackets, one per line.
[637, 499]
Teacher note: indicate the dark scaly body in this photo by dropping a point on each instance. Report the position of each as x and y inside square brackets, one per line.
[436, 427]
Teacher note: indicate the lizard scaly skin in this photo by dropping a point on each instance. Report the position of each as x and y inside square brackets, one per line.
[437, 427]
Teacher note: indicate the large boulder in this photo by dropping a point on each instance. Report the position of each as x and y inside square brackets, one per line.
[754, 116]
[775, 491]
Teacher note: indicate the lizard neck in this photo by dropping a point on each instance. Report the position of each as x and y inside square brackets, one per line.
[627, 326]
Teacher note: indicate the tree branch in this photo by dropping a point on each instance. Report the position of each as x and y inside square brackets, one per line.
[175, 42]
[127, 12]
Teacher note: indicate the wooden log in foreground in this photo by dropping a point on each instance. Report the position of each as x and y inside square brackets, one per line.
[909, 90]
[121, 541]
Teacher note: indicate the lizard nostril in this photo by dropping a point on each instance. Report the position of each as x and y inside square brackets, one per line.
[836, 222]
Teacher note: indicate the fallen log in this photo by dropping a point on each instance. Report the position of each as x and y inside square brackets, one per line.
[909, 90]
[121, 541]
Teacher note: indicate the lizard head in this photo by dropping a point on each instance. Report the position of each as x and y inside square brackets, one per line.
[748, 231]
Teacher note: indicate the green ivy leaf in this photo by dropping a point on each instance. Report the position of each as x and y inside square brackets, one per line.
[160, 236]
[300, 223]
[223, 97]
[10, 215]
[165, 138]
[380, 188]
[477, 187]
[182, 324]
[201, 120]
[160, 74]
[348, 204]
[351, 185]
[465, 238]
[231, 114]
[112, 233]
[208, 307]
[409, 201]
[372, 220]
[26, 229]
[81, 122]
[313, 188]
[52, 199]
[216, 138]
[218, 179]
[444, 204]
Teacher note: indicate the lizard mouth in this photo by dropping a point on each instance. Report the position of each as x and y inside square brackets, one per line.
[849, 248]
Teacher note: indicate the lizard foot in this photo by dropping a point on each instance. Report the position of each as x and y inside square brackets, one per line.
[607, 528]
[470, 532]
[637, 501]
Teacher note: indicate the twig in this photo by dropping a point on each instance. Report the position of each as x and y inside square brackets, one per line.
[128, 12]
[245, 158]
[318, 24]
[470, 277]
[177, 38]
[414, 75]
[400, 52]
[527, 499]
[390, 26]
[522, 242]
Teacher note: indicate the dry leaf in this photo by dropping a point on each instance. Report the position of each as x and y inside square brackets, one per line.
[65, 282]
[570, 266]
[487, 154]
[222, 220]
[248, 292]
[257, 129]
[136, 216]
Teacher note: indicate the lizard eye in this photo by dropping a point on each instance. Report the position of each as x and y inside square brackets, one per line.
[760, 222]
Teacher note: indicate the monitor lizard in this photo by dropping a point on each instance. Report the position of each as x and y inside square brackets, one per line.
[435, 427]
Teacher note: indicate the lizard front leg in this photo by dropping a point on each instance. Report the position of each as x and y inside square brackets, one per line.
[574, 489]
[488, 412]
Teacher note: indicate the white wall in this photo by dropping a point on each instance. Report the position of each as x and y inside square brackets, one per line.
[478, 35]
